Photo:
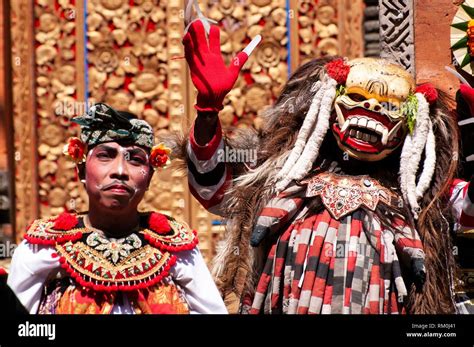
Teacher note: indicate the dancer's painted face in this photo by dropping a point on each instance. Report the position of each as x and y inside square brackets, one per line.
[368, 121]
[117, 176]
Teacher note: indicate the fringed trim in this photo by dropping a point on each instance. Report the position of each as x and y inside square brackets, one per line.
[169, 245]
[55, 230]
[113, 285]
[306, 128]
[179, 238]
[411, 156]
[311, 149]
[428, 165]
[52, 240]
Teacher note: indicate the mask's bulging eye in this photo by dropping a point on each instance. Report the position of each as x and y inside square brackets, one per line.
[357, 97]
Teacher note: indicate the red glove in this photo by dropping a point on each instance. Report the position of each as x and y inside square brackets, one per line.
[210, 76]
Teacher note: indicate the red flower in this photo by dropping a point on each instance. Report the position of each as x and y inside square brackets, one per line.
[338, 70]
[159, 223]
[429, 91]
[159, 156]
[75, 149]
[65, 221]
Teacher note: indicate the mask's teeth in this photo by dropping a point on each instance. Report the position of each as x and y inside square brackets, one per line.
[371, 125]
[385, 136]
[345, 126]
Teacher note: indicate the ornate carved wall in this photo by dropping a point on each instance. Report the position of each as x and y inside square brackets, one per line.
[26, 184]
[329, 27]
[57, 100]
[131, 66]
[129, 54]
[397, 32]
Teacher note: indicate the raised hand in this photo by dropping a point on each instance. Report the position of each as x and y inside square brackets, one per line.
[211, 77]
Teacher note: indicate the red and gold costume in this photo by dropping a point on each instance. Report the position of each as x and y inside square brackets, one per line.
[77, 269]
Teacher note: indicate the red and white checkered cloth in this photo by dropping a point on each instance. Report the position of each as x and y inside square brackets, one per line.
[323, 265]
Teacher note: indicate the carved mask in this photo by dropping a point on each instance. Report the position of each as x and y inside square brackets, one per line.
[369, 124]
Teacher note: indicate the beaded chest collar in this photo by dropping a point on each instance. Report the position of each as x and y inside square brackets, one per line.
[92, 259]
[343, 194]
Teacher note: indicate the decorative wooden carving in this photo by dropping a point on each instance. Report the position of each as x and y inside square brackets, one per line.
[57, 82]
[351, 16]
[318, 29]
[397, 32]
[24, 125]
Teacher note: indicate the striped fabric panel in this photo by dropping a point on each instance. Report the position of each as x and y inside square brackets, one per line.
[407, 241]
[387, 240]
[328, 291]
[207, 151]
[360, 273]
[320, 228]
[374, 299]
[277, 212]
[263, 282]
[278, 268]
[352, 254]
[462, 205]
[319, 295]
[393, 241]
[204, 166]
[290, 302]
[269, 286]
[299, 261]
[208, 178]
[321, 265]
[365, 264]
[341, 265]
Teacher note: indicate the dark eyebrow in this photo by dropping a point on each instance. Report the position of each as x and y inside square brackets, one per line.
[132, 151]
[137, 150]
[107, 148]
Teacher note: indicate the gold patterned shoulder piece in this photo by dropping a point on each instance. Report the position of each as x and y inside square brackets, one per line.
[94, 260]
[167, 234]
[51, 231]
[111, 265]
[343, 194]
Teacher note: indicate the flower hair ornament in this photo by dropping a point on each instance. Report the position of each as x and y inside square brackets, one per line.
[160, 156]
[75, 150]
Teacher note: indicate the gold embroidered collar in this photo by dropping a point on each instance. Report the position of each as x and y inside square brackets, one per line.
[94, 260]
[343, 194]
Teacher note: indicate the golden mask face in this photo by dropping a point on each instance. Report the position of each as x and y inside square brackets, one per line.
[369, 124]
